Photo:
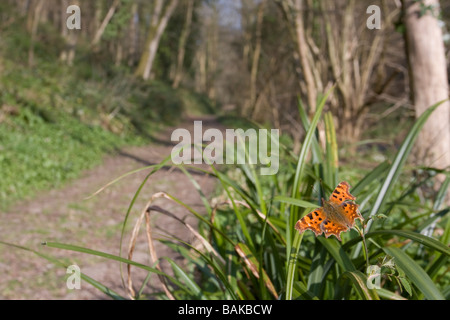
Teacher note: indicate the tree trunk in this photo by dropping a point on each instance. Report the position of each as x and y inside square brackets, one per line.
[157, 28]
[106, 20]
[428, 81]
[182, 44]
[246, 33]
[34, 18]
[294, 11]
[212, 54]
[303, 49]
[133, 35]
[200, 83]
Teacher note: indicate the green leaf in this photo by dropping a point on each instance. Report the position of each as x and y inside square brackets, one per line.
[306, 145]
[292, 251]
[191, 286]
[226, 183]
[440, 197]
[420, 238]
[359, 281]
[302, 293]
[386, 294]
[107, 291]
[332, 160]
[315, 147]
[399, 161]
[370, 177]
[415, 273]
[445, 239]
[198, 188]
[436, 265]
[317, 271]
[292, 263]
[338, 253]
[295, 202]
[111, 257]
[405, 283]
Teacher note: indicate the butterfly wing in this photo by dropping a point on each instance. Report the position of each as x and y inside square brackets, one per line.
[351, 213]
[341, 193]
[312, 221]
[330, 227]
[337, 215]
[345, 211]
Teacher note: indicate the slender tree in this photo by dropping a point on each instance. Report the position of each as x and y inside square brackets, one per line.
[34, 16]
[98, 34]
[428, 80]
[182, 44]
[160, 18]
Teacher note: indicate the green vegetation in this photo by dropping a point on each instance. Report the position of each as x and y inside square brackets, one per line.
[66, 101]
[56, 120]
[250, 249]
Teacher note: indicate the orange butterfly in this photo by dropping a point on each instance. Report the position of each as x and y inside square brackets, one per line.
[335, 216]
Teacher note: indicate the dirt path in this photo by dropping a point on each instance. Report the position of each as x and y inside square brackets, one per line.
[65, 216]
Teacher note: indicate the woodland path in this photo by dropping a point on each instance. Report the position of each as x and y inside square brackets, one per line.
[64, 215]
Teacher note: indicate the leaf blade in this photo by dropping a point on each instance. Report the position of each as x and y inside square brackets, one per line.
[415, 273]
[399, 161]
[359, 281]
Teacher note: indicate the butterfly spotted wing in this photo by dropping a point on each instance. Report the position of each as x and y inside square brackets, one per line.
[337, 215]
[312, 221]
[341, 193]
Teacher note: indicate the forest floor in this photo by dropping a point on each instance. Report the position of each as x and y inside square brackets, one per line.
[66, 216]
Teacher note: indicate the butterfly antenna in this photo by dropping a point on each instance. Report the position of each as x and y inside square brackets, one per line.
[320, 191]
